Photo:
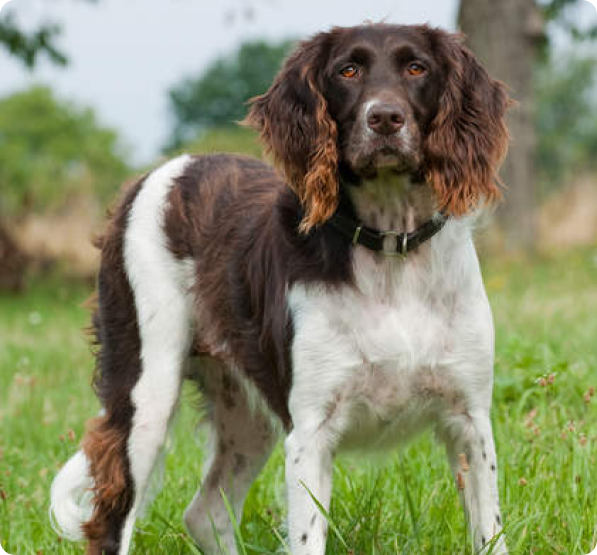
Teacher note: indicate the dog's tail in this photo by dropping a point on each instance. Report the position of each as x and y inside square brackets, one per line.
[71, 498]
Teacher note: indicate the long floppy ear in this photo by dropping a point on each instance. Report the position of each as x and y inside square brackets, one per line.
[467, 139]
[295, 126]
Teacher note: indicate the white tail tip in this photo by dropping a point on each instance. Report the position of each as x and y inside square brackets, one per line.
[71, 498]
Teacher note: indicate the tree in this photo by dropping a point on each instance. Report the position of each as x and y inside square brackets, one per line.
[218, 97]
[566, 118]
[510, 37]
[52, 150]
[25, 47]
[506, 36]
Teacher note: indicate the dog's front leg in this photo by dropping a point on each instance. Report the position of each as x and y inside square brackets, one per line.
[308, 477]
[471, 450]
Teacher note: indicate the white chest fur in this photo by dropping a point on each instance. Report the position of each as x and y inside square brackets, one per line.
[410, 342]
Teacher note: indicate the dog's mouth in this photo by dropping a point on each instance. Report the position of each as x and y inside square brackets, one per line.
[387, 155]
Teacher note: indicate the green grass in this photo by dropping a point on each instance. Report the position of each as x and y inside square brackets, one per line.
[546, 321]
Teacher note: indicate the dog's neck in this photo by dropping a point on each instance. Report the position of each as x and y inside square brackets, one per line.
[392, 201]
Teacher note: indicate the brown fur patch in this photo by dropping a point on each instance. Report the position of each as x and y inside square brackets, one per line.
[105, 448]
[319, 194]
[116, 335]
[468, 137]
[295, 126]
[238, 221]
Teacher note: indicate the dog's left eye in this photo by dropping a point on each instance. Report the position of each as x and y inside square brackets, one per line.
[349, 71]
[415, 69]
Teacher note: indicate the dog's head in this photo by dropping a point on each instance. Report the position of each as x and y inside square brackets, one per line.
[409, 98]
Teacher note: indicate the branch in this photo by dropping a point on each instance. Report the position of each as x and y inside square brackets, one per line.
[27, 47]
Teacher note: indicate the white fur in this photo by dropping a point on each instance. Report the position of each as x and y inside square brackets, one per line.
[161, 287]
[70, 498]
[160, 284]
[365, 114]
[409, 347]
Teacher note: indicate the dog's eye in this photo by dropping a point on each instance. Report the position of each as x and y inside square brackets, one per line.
[415, 69]
[349, 71]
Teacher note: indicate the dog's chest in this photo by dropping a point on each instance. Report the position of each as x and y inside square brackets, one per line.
[375, 361]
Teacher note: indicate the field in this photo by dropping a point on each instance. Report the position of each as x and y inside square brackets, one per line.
[545, 424]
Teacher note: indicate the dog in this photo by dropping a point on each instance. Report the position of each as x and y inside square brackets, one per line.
[338, 302]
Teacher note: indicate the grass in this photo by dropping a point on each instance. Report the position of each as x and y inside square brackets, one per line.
[546, 433]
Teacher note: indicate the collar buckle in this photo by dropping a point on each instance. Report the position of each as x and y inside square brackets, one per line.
[395, 250]
[357, 233]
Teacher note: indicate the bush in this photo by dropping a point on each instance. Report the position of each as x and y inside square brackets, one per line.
[566, 118]
[52, 150]
[238, 140]
[218, 97]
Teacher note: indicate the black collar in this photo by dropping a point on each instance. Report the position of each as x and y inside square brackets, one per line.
[374, 239]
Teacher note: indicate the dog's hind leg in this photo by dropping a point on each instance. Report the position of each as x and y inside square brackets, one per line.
[161, 287]
[143, 325]
[241, 441]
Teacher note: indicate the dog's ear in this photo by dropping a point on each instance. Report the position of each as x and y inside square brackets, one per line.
[467, 139]
[293, 120]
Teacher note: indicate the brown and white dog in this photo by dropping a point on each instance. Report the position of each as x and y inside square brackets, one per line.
[296, 306]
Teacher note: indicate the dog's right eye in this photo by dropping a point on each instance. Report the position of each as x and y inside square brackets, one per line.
[415, 69]
[349, 71]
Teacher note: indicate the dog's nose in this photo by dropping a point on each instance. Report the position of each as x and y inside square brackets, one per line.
[385, 119]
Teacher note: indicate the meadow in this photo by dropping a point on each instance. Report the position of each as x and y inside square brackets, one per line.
[545, 422]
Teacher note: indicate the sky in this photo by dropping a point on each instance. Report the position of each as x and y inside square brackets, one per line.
[125, 55]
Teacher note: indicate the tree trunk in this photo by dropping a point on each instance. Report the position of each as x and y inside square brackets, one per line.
[13, 262]
[506, 36]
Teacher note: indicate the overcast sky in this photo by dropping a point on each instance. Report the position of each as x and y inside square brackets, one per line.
[126, 54]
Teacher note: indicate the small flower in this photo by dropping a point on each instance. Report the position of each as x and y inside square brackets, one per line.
[528, 421]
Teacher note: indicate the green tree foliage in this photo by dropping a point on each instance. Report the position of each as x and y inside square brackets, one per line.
[237, 140]
[566, 117]
[27, 47]
[557, 12]
[218, 97]
[51, 150]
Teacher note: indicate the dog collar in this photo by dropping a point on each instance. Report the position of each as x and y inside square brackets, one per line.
[374, 239]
